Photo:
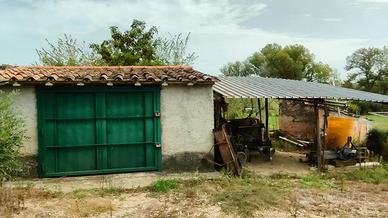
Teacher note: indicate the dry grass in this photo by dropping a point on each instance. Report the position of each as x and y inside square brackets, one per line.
[90, 206]
[235, 195]
[100, 192]
[12, 200]
[246, 196]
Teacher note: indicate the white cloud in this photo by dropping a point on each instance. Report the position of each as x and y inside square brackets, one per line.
[329, 19]
[217, 35]
[372, 1]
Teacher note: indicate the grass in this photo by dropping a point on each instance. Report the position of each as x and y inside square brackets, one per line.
[378, 122]
[249, 193]
[236, 195]
[165, 185]
[101, 192]
[81, 202]
[12, 200]
[87, 207]
[376, 175]
[273, 122]
[281, 145]
[242, 196]
[236, 110]
[317, 182]
[245, 195]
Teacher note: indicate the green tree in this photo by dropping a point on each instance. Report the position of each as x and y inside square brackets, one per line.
[67, 51]
[172, 50]
[368, 70]
[289, 62]
[237, 68]
[136, 46]
[11, 136]
[322, 73]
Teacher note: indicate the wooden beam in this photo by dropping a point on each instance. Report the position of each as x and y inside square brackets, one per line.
[318, 142]
[266, 121]
[259, 108]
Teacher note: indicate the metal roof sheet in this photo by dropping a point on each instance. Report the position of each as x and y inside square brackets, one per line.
[260, 87]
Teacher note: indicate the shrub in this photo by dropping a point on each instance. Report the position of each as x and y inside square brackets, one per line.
[377, 141]
[11, 136]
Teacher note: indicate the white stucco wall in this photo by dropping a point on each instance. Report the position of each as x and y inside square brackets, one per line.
[186, 119]
[25, 105]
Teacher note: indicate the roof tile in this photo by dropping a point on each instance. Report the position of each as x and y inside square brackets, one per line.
[98, 74]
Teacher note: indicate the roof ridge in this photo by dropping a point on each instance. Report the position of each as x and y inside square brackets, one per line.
[177, 74]
[110, 67]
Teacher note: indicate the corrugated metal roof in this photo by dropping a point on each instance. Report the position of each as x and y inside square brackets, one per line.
[259, 87]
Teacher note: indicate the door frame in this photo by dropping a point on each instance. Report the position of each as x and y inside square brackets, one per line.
[41, 90]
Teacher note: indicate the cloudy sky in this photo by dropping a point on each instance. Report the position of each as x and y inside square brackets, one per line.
[221, 30]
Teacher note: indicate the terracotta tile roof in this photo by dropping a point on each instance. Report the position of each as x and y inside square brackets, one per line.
[101, 74]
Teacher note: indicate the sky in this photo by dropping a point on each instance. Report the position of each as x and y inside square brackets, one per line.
[222, 31]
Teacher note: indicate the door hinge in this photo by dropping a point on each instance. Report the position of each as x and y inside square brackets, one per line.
[157, 114]
[158, 145]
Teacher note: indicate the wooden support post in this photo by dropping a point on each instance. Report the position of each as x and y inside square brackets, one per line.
[318, 136]
[325, 126]
[259, 108]
[266, 121]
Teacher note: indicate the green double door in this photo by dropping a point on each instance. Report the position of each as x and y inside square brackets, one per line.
[93, 130]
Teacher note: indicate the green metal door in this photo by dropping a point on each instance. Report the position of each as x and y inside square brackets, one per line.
[92, 130]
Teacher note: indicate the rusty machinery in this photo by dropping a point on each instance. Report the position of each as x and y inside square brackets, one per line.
[247, 135]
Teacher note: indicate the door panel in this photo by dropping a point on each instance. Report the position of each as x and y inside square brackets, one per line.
[98, 130]
[76, 132]
[76, 159]
[124, 104]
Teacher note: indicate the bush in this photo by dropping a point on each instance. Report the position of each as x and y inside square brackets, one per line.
[377, 141]
[362, 108]
[11, 137]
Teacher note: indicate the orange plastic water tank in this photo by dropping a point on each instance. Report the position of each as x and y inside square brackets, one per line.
[338, 131]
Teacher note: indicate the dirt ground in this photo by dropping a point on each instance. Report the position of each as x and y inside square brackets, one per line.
[282, 162]
[203, 195]
[123, 180]
[356, 200]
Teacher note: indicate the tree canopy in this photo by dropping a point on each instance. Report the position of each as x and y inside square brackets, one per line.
[289, 62]
[136, 46]
[173, 50]
[67, 51]
[368, 70]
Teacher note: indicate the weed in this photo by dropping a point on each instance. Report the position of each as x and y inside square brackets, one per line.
[12, 200]
[249, 193]
[314, 181]
[283, 176]
[102, 192]
[165, 185]
[375, 175]
[90, 206]
[281, 145]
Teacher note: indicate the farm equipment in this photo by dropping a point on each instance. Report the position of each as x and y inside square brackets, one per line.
[248, 135]
[237, 139]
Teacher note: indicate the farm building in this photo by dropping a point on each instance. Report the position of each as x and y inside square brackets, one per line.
[297, 120]
[92, 120]
[84, 120]
[304, 112]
